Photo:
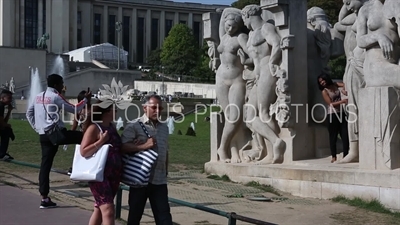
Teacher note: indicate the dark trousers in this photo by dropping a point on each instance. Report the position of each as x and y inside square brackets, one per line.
[338, 125]
[5, 136]
[158, 196]
[48, 153]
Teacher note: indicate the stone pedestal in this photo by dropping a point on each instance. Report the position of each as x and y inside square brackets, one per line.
[379, 120]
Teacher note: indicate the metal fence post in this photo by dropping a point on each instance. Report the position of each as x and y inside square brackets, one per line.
[232, 219]
[118, 204]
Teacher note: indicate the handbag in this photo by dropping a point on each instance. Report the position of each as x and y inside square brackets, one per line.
[55, 134]
[137, 166]
[89, 169]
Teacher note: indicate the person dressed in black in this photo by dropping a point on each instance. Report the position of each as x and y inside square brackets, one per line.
[43, 115]
[337, 121]
[6, 132]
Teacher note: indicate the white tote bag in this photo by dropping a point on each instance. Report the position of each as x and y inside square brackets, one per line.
[89, 168]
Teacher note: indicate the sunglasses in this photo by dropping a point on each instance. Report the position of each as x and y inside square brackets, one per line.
[154, 107]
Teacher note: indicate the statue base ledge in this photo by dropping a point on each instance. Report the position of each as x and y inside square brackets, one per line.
[318, 178]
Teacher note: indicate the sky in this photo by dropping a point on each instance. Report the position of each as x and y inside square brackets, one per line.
[219, 2]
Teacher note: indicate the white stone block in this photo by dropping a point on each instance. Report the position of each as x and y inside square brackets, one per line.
[330, 190]
[364, 192]
[390, 197]
[310, 189]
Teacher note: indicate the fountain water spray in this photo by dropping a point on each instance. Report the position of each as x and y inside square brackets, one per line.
[58, 66]
[36, 86]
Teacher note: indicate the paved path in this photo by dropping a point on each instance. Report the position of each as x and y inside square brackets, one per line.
[22, 207]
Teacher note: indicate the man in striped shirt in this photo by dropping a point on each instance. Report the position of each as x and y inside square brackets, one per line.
[135, 139]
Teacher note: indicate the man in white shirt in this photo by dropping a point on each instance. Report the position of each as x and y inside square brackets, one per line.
[43, 114]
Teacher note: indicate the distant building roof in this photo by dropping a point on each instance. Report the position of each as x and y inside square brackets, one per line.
[104, 51]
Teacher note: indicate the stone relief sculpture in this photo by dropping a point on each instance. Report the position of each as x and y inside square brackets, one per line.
[379, 36]
[391, 11]
[12, 85]
[319, 41]
[229, 83]
[317, 21]
[264, 57]
[354, 75]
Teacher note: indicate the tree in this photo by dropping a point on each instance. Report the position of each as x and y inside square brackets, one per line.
[154, 59]
[240, 4]
[180, 50]
[202, 69]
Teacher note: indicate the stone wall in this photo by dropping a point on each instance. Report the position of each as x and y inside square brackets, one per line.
[95, 78]
[15, 62]
[205, 90]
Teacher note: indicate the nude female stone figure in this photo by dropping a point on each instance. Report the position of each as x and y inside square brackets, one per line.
[354, 76]
[380, 38]
[263, 48]
[229, 83]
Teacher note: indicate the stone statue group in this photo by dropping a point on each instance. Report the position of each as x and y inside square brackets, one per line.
[247, 60]
[247, 56]
[9, 86]
[371, 30]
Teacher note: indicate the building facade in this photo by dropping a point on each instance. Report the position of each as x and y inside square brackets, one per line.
[73, 24]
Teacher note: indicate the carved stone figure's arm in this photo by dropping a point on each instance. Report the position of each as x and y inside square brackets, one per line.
[243, 51]
[222, 26]
[349, 20]
[273, 39]
[343, 13]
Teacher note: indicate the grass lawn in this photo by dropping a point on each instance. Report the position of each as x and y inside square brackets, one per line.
[186, 152]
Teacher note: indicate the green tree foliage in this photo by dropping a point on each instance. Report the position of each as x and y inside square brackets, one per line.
[337, 67]
[202, 69]
[180, 51]
[240, 4]
[154, 59]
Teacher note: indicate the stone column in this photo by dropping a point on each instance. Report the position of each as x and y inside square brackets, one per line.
[73, 25]
[148, 34]
[162, 27]
[49, 6]
[59, 31]
[105, 24]
[190, 20]
[40, 17]
[176, 19]
[133, 35]
[7, 23]
[22, 23]
[86, 25]
[18, 15]
[291, 19]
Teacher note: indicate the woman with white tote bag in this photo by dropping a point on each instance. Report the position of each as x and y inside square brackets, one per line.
[93, 139]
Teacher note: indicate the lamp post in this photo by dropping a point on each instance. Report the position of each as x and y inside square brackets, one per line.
[118, 28]
[162, 67]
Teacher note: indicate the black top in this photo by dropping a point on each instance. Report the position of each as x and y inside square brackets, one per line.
[2, 109]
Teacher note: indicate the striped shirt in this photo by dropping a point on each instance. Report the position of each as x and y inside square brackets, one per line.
[133, 131]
